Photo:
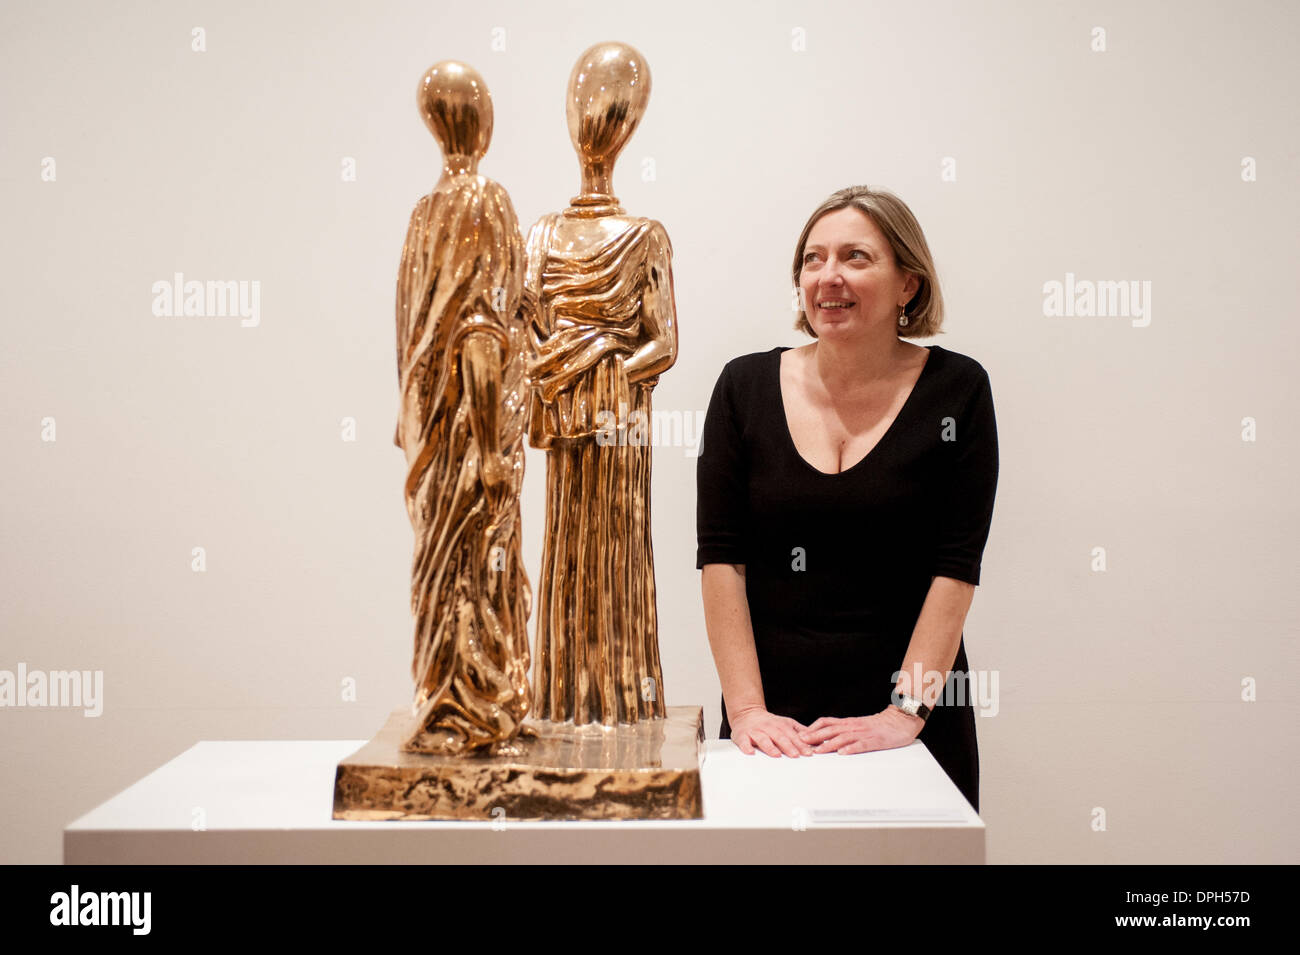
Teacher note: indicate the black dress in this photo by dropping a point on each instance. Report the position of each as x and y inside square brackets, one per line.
[837, 566]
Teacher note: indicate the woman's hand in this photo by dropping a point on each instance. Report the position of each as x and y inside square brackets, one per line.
[888, 729]
[772, 734]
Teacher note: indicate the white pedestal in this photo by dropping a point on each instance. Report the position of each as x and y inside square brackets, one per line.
[269, 802]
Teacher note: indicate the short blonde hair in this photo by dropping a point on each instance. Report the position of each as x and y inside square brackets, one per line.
[891, 215]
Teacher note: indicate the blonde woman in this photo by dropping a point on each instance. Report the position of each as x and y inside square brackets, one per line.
[846, 493]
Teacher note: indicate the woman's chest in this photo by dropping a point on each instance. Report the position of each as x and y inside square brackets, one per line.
[888, 492]
[833, 436]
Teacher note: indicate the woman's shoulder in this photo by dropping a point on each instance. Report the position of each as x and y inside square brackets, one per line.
[746, 381]
[751, 366]
[959, 378]
[958, 367]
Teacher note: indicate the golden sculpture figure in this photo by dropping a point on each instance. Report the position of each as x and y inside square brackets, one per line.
[461, 340]
[594, 299]
[603, 330]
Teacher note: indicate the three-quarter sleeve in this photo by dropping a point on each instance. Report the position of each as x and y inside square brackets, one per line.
[967, 489]
[721, 477]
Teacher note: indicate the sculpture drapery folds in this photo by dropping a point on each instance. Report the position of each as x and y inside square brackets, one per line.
[565, 337]
[603, 331]
[461, 344]
[560, 340]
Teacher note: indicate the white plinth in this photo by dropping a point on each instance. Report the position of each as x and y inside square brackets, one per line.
[271, 802]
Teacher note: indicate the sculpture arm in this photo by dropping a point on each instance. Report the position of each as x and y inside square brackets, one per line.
[408, 276]
[480, 368]
[658, 353]
[565, 358]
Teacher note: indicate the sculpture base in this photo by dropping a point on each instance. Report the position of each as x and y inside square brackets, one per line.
[647, 770]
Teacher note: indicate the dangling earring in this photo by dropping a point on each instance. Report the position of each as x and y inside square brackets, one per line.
[902, 316]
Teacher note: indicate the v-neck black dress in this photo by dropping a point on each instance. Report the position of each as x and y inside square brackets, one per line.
[837, 566]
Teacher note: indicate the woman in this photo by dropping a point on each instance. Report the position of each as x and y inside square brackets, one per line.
[845, 496]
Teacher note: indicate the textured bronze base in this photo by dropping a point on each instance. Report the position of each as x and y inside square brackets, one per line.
[647, 770]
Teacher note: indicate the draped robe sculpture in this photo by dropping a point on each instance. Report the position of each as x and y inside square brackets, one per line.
[603, 331]
[566, 342]
[461, 342]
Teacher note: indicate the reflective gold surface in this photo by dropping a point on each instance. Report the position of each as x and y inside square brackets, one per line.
[650, 770]
[461, 341]
[603, 330]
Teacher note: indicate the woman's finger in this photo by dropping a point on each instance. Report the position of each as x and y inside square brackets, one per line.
[764, 743]
[817, 735]
[797, 740]
[833, 744]
[786, 745]
[793, 738]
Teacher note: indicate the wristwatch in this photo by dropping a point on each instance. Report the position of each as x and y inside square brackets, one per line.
[911, 705]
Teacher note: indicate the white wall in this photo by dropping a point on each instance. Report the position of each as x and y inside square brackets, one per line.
[1119, 689]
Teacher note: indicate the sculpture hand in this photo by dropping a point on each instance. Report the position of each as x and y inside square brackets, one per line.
[554, 369]
[495, 468]
[772, 734]
[496, 472]
[888, 729]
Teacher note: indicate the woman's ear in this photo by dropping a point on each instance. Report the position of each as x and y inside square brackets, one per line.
[911, 286]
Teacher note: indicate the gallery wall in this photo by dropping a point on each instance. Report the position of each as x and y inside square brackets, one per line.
[205, 512]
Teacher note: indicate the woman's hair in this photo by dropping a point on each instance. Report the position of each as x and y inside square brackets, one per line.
[911, 254]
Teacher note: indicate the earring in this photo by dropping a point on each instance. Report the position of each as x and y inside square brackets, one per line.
[902, 316]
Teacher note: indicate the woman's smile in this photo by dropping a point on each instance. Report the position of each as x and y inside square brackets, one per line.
[831, 305]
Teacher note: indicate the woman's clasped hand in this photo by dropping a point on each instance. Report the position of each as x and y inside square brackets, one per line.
[757, 729]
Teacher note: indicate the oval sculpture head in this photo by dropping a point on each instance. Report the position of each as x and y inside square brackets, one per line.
[608, 92]
[457, 107]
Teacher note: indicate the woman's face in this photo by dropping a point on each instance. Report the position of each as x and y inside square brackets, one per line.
[849, 280]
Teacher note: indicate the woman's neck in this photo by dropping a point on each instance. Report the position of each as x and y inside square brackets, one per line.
[845, 368]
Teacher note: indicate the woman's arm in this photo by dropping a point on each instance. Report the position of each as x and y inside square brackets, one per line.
[935, 640]
[723, 525]
[930, 655]
[731, 637]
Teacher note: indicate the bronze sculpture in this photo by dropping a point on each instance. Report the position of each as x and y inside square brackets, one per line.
[573, 333]
[603, 331]
[461, 344]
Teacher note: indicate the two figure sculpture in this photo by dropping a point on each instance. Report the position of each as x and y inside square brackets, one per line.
[560, 339]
